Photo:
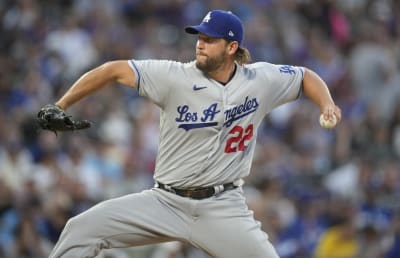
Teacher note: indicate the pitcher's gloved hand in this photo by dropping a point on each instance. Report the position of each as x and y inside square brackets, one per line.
[51, 117]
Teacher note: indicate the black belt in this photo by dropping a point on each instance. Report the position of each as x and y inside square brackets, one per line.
[197, 193]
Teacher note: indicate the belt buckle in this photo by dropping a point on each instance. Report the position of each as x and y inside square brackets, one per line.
[196, 194]
[187, 193]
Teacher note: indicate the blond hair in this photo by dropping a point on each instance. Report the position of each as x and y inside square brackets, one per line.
[242, 56]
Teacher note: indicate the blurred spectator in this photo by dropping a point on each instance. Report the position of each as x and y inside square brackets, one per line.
[9, 219]
[371, 63]
[79, 45]
[340, 239]
[371, 243]
[339, 242]
[394, 130]
[29, 244]
[15, 160]
[394, 246]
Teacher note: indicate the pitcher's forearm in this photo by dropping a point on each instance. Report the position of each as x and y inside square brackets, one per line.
[87, 84]
[316, 90]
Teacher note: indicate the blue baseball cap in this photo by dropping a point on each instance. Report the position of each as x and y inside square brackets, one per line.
[219, 24]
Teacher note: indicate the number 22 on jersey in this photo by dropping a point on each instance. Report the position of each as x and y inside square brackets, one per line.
[239, 138]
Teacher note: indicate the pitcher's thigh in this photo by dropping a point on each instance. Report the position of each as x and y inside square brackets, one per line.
[234, 238]
[131, 220]
[142, 217]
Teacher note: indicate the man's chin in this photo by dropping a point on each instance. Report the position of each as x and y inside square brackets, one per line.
[201, 59]
[200, 65]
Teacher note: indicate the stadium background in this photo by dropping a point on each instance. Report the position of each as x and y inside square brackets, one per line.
[315, 191]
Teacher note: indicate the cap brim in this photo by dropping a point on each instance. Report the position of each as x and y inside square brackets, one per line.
[192, 29]
[203, 30]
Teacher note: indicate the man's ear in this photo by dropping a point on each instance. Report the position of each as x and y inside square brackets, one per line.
[232, 47]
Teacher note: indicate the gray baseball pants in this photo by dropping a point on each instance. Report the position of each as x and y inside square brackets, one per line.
[222, 225]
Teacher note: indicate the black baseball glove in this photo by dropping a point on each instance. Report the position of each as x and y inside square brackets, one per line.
[51, 117]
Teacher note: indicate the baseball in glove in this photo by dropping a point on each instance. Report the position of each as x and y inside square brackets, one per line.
[51, 117]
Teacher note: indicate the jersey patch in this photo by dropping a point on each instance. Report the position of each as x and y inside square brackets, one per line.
[287, 69]
[191, 120]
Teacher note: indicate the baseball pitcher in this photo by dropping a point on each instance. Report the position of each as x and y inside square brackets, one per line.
[210, 111]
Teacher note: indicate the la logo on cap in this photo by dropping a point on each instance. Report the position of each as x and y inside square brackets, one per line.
[207, 18]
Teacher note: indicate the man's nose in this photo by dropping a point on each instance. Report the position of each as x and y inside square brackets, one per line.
[200, 44]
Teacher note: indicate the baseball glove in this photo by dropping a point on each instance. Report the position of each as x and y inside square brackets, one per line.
[51, 117]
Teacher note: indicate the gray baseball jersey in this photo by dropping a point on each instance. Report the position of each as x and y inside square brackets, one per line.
[208, 134]
[208, 130]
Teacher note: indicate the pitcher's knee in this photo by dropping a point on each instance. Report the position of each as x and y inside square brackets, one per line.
[78, 224]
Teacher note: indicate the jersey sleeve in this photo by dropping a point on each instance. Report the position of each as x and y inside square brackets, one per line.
[153, 78]
[284, 83]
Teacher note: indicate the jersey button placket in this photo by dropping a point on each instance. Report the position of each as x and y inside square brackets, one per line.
[224, 98]
[225, 102]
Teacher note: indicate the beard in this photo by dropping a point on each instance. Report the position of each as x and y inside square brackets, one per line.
[210, 64]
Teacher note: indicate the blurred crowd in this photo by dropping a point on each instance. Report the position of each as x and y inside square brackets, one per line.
[318, 193]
